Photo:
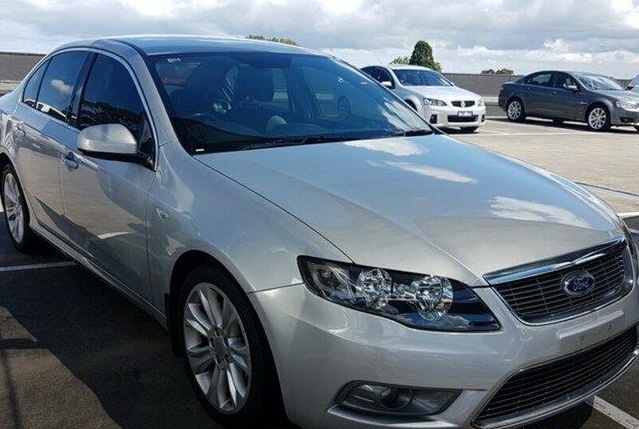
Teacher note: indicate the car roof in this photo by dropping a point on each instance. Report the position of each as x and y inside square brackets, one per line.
[156, 44]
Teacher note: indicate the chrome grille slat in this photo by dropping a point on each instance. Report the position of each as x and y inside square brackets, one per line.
[541, 298]
[560, 380]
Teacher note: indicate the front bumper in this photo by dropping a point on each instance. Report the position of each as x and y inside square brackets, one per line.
[320, 347]
[624, 117]
[450, 116]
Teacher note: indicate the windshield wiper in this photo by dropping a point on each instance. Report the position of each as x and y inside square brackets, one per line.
[293, 141]
[413, 133]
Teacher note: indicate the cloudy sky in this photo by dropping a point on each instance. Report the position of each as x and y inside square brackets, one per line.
[467, 35]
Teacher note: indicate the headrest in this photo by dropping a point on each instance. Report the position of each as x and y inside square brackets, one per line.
[254, 83]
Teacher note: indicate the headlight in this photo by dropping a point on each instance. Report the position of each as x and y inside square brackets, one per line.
[627, 104]
[417, 300]
[480, 102]
[434, 102]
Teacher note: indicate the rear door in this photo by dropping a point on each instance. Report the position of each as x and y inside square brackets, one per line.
[105, 200]
[40, 126]
[538, 93]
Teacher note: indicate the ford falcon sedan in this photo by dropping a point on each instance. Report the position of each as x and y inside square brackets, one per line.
[311, 244]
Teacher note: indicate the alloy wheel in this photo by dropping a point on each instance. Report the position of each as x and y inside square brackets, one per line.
[514, 110]
[597, 118]
[217, 348]
[14, 211]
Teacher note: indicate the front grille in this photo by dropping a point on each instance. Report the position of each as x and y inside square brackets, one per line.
[541, 298]
[544, 387]
[455, 118]
[467, 103]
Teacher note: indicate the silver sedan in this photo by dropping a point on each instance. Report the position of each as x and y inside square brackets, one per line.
[310, 242]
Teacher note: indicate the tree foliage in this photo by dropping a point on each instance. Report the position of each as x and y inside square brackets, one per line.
[500, 71]
[286, 41]
[423, 56]
[401, 60]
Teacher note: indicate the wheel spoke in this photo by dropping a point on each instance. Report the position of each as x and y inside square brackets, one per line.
[209, 300]
[200, 358]
[232, 388]
[229, 318]
[214, 394]
[196, 320]
[237, 380]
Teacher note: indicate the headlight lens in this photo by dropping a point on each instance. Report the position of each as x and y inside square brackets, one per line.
[416, 300]
[480, 102]
[627, 104]
[434, 102]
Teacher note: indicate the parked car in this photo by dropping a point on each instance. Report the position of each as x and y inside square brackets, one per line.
[597, 100]
[634, 84]
[433, 96]
[353, 265]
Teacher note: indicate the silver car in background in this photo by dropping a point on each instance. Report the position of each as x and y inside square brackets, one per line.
[310, 242]
[433, 96]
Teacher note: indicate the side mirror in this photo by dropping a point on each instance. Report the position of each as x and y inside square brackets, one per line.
[573, 88]
[387, 83]
[110, 141]
[630, 87]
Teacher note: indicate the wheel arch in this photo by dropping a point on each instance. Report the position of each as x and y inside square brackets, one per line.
[184, 264]
[598, 102]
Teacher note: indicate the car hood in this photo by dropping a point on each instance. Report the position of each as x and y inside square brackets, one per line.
[620, 95]
[424, 204]
[446, 93]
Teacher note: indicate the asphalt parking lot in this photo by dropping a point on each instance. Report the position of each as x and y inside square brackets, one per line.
[75, 354]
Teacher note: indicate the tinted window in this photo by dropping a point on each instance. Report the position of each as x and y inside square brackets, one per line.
[58, 82]
[413, 77]
[564, 81]
[111, 97]
[30, 94]
[237, 100]
[540, 79]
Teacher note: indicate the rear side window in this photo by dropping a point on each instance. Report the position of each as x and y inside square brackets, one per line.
[111, 97]
[58, 82]
[540, 79]
[30, 94]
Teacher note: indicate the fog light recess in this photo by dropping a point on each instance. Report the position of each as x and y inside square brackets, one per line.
[395, 400]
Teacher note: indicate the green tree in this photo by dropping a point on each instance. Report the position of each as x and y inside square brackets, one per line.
[286, 41]
[401, 60]
[423, 56]
[503, 71]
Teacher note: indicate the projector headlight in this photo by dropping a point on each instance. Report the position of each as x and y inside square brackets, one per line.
[627, 104]
[417, 300]
[434, 102]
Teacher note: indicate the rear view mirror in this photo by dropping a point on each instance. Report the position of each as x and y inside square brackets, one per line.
[110, 141]
[387, 83]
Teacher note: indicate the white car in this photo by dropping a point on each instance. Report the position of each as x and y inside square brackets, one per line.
[436, 98]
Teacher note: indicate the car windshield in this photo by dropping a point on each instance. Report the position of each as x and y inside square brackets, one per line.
[247, 100]
[595, 82]
[412, 77]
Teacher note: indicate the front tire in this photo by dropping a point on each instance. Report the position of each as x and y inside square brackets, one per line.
[598, 118]
[16, 212]
[515, 110]
[226, 354]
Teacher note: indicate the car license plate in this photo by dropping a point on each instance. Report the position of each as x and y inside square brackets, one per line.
[464, 114]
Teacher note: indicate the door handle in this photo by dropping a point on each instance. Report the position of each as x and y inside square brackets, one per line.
[70, 161]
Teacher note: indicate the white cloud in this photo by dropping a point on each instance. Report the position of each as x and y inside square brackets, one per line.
[467, 35]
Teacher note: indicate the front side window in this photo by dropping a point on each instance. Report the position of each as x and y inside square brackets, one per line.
[244, 100]
[413, 77]
[30, 94]
[564, 81]
[111, 97]
[58, 82]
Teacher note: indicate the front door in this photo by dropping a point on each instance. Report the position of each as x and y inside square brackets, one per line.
[106, 200]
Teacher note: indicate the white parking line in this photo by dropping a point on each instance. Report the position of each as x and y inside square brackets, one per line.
[36, 266]
[619, 416]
